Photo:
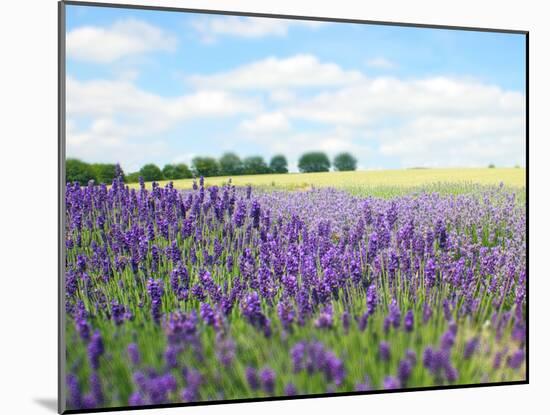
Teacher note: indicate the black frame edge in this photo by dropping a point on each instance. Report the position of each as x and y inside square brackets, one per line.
[61, 361]
[527, 205]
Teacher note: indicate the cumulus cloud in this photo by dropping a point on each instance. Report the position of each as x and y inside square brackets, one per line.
[210, 28]
[123, 38]
[430, 122]
[116, 119]
[268, 123]
[186, 158]
[109, 98]
[384, 98]
[380, 63]
[435, 121]
[297, 71]
[439, 141]
[282, 96]
[107, 141]
[299, 103]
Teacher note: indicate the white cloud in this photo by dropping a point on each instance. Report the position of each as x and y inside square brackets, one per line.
[116, 119]
[186, 158]
[438, 121]
[210, 28]
[282, 96]
[105, 98]
[391, 99]
[380, 63]
[275, 73]
[128, 75]
[438, 141]
[268, 123]
[309, 105]
[123, 38]
[106, 141]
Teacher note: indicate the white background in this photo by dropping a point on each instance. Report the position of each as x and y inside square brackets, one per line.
[28, 204]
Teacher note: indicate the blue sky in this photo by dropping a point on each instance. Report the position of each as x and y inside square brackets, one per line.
[163, 87]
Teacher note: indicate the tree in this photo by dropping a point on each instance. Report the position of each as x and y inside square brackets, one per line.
[169, 171]
[79, 171]
[205, 166]
[345, 162]
[132, 177]
[230, 165]
[313, 162]
[278, 164]
[176, 171]
[255, 165]
[150, 172]
[491, 166]
[105, 173]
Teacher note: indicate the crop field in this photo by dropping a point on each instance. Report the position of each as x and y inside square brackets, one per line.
[297, 284]
[375, 181]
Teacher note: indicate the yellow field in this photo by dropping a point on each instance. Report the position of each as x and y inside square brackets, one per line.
[513, 177]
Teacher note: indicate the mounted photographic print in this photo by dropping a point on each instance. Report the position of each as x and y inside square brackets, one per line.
[258, 207]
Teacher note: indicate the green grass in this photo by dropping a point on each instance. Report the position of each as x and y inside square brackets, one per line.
[376, 182]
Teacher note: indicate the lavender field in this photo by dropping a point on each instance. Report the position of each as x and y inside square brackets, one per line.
[224, 292]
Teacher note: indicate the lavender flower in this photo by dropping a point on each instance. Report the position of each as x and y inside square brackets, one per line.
[207, 314]
[155, 290]
[225, 349]
[346, 321]
[267, 379]
[118, 312]
[363, 386]
[95, 349]
[334, 368]
[384, 351]
[133, 353]
[325, 318]
[404, 371]
[426, 313]
[252, 378]
[391, 383]
[470, 347]
[515, 361]
[193, 379]
[136, 399]
[74, 392]
[255, 214]
[409, 321]
[363, 321]
[298, 353]
[372, 299]
[429, 273]
[171, 356]
[96, 389]
[251, 309]
[240, 214]
[410, 355]
[394, 315]
[201, 272]
[290, 390]
[286, 314]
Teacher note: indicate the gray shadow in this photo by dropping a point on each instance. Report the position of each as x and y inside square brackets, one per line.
[48, 403]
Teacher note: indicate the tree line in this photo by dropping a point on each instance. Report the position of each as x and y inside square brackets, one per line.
[229, 164]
